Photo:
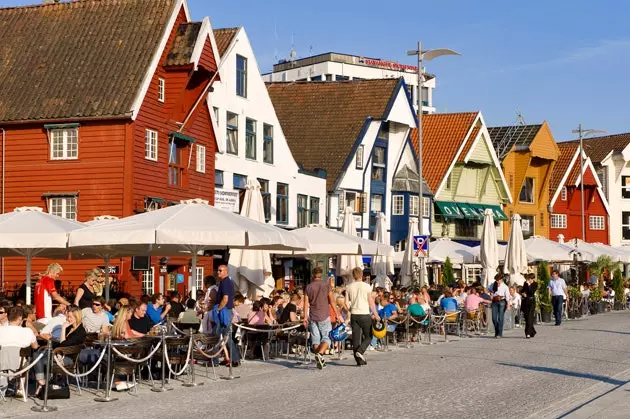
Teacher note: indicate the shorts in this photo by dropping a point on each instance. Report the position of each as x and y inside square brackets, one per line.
[320, 331]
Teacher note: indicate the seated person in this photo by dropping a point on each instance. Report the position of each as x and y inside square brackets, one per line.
[189, 316]
[289, 312]
[472, 302]
[257, 316]
[449, 305]
[16, 335]
[241, 309]
[139, 322]
[177, 307]
[121, 328]
[95, 319]
[156, 309]
[55, 324]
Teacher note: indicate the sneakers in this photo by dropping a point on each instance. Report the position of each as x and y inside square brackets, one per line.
[321, 363]
[123, 385]
[370, 348]
[360, 358]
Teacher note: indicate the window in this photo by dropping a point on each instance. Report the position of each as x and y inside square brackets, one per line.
[282, 203]
[216, 114]
[232, 133]
[426, 207]
[625, 187]
[175, 163]
[218, 178]
[148, 281]
[596, 222]
[266, 196]
[341, 78]
[241, 76]
[268, 144]
[448, 182]
[316, 78]
[413, 206]
[528, 225]
[64, 144]
[625, 225]
[239, 181]
[527, 191]
[351, 200]
[359, 157]
[329, 77]
[563, 193]
[302, 210]
[250, 139]
[398, 205]
[465, 228]
[473, 273]
[314, 211]
[201, 158]
[383, 131]
[378, 164]
[199, 277]
[558, 221]
[64, 207]
[161, 90]
[150, 145]
[376, 203]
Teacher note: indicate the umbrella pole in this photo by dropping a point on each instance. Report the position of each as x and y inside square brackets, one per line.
[107, 282]
[29, 258]
[192, 281]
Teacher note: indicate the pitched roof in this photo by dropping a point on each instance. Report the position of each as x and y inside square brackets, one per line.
[504, 138]
[406, 179]
[183, 44]
[597, 148]
[466, 149]
[322, 120]
[442, 136]
[566, 152]
[77, 59]
[224, 38]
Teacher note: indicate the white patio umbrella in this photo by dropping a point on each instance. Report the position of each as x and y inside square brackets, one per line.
[442, 248]
[320, 240]
[599, 249]
[30, 232]
[542, 249]
[515, 254]
[189, 227]
[251, 269]
[347, 262]
[489, 249]
[409, 257]
[382, 265]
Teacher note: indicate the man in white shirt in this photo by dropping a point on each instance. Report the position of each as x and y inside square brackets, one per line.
[360, 303]
[558, 292]
[95, 319]
[500, 302]
[54, 325]
[16, 335]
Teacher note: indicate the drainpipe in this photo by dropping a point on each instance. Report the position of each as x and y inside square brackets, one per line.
[2, 259]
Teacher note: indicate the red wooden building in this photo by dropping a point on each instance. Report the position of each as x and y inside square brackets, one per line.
[103, 112]
[566, 202]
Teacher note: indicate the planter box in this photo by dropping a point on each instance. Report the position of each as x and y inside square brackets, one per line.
[593, 307]
[619, 306]
[602, 306]
[545, 316]
[575, 314]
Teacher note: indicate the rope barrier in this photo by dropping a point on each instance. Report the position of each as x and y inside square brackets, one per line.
[136, 361]
[421, 322]
[65, 371]
[23, 370]
[268, 330]
[168, 362]
[204, 354]
[178, 330]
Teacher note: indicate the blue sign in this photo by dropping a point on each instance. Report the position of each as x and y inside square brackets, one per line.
[180, 278]
[421, 244]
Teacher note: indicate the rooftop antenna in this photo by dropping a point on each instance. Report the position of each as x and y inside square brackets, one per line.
[275, 40]
[519, 116]
[292, 54]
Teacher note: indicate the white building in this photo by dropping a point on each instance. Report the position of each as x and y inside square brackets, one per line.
[252, 144]
[338, 67]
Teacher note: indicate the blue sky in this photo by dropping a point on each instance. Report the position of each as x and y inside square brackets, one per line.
[562, 61]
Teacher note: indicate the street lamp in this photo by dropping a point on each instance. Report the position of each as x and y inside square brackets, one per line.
[428, 56]
[581, 134]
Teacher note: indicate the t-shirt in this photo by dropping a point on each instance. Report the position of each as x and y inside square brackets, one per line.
[16, 336]
[256, 317]
[472, 302]
[415, 309]
[54, 325]
[317, 293]
[449, 304]
[93, 322]
[188, 317]
[358, 293]
[44, 289]
[155, 314]
[285, 316]
[140, 325]
[226, 287]
[387, 311]
[86, 298]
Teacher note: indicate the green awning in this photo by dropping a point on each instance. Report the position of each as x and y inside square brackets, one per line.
[469, 211]
[479, 209]
[180, 136]
[61, 126]
[449, 209]
[499, 215]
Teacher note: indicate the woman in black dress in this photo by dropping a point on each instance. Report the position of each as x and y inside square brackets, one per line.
[528, 291]
[85, 293]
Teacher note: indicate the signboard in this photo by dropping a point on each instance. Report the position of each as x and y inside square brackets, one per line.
[180, 278]
[113, 269]
[421, 245]
[226, 199]
[389, 65]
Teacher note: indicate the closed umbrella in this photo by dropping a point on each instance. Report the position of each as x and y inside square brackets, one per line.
[382, 265]
[251, 269]
[516, 254]
[489, 250]
[347, 262]
[409, 257]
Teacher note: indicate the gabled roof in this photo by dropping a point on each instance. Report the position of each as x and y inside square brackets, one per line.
[406, 179]
[183, 45]
[565, 159]
[224, 38]
[519, 136]
[322, 121]
[442, 137]
[597, 148]
[78, 59]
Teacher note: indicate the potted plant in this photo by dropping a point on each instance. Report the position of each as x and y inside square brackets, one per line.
[575, 297]
[594, 301]
[618, 287]
[544, 301]
[447, 273]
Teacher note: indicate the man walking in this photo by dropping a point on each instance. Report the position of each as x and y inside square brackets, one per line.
[225, 304]
[360, 303]
[318, 297]
[500, 303]
[558, 292]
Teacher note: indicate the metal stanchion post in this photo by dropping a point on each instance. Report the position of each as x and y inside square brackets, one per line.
[409, 343]
[45, 407]
[108, 374]
[164, 349]
[231, 343]
[192, 363]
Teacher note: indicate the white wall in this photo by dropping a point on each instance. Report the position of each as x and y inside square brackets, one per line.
[616, 167]
[258, 106]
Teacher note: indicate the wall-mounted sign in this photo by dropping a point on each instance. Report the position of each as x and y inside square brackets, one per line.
[113, 269]
[389, 65]
[226, 199]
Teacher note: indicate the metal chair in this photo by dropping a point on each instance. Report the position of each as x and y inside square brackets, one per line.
[207, 343]
[71, 352]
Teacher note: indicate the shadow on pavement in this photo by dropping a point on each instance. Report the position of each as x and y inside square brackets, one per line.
[567, 373]
[601, 330]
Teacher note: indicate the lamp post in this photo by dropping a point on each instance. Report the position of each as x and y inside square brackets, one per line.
[581, 134]
[428, 56]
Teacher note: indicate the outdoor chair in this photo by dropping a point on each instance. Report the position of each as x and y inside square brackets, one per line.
[176, 348]
[473, 321]
[12, 359]
[71, 352]
[209, 344]
[452, 322]
[127, 368]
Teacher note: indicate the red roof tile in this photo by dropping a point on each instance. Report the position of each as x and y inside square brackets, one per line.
[566, 152]
[224, 38]
[183, 45]
[597, 148]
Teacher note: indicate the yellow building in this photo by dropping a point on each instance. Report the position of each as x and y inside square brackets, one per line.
[528, 154]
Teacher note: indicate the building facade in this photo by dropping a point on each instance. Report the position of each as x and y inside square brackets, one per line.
[339, 67]
[566, 202]
[528, 154]
[109, 128]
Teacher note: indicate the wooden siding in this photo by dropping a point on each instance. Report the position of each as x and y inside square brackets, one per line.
[206, 60]
[481, 152]
[544, 145]
[593, 206]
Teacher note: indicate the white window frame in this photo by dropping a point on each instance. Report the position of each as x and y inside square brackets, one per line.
[359, 157]
[151, 145]
[398, 205]
[161, 89]
[199, 277]
[354, 200]
[66, 142]
[563, 193]
[596, 222]
[201, 158]
[414, 206]
[559, 221]
[426, 207]
[63, 206]
[533, 201]
[473, 272]
[148, 281]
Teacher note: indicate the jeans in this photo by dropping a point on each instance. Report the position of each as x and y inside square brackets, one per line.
[528, 312]
[320, 331]
[556, 302]
[361, 332]
[40, 367]
[220, 330]
[498, 314]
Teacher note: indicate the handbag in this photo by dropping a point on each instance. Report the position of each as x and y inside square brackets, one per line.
[62, 392]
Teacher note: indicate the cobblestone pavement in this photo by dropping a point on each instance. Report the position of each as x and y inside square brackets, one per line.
[575, 370]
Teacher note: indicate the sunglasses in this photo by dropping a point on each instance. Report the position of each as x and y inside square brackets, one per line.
[96, 304]
[3, 312]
